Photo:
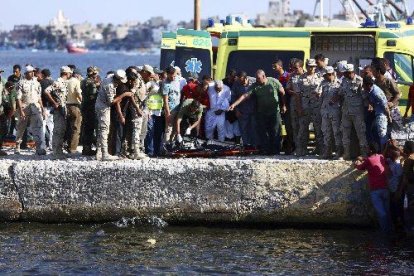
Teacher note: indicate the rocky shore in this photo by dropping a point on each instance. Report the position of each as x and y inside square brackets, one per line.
[251, 190]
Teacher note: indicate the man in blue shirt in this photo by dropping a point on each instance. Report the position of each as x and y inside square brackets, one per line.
[170, 90]
[379, 103]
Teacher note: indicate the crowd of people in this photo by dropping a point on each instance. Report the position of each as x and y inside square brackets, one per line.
[143, 111]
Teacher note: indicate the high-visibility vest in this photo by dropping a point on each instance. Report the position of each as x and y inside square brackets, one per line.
[155, 102]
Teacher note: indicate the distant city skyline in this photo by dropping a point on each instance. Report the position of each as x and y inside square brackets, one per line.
[95, 11]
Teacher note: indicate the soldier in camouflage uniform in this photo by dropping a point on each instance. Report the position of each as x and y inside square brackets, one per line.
[7, 109]
[352, 111]
[293, 91]
[106, 98]
[309, 109]
[90, 87]
[331, 113]
[140, 113]
[57, 96]
[30, 111]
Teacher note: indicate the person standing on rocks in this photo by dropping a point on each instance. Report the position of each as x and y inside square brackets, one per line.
[293, 91]
[379, 103]
[74, 118]
[351, 92]
[220, 97]
[309, 109]
[106, 98]
[57, 95]
[89, 86]
[137, 86]
[48, 122]
[266, 91]
[245, 112]
[30, 111]
[170, 89]
[7, 109]
[390, 89]
[331, 114]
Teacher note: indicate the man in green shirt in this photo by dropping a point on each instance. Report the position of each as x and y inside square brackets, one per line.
[7, 109]
[191, 110]
[268, 120]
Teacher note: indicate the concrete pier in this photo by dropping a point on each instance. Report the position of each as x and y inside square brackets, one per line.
[183, 191]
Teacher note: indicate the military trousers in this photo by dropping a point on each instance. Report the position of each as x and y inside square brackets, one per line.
[310, 115]
[59, 131]
[331, 128]
[33, 121]
[104, 120]
[137, 141]
[74, 122]
[357, 121]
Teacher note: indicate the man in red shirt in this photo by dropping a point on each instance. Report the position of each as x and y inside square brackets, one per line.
[377, 169]
[189, 90]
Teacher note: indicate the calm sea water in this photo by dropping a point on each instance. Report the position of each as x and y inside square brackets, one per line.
[120, 248]
[106, 61]
[110, 249]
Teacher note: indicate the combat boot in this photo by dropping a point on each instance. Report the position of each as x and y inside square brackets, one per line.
[107, 157]
[124, 151]
[138, 153]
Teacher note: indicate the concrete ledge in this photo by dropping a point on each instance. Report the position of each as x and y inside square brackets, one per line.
[259, 190]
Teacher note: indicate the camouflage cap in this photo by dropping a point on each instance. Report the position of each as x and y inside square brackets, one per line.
[311, 62]
[65, 69]
[328, 70]
[349, 68]
[91, 70]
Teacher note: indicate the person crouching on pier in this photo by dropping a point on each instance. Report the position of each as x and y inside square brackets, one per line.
[106, 98]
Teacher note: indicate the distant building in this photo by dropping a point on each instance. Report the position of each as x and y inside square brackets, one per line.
[279, 15]
[60, 24]
[21, 33]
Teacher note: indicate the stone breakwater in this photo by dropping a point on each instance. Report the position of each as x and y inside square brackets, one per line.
[185, 191]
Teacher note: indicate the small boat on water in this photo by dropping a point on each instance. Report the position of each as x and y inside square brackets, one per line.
[76, 47]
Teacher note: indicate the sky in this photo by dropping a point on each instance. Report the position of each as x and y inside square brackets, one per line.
[14, 12]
